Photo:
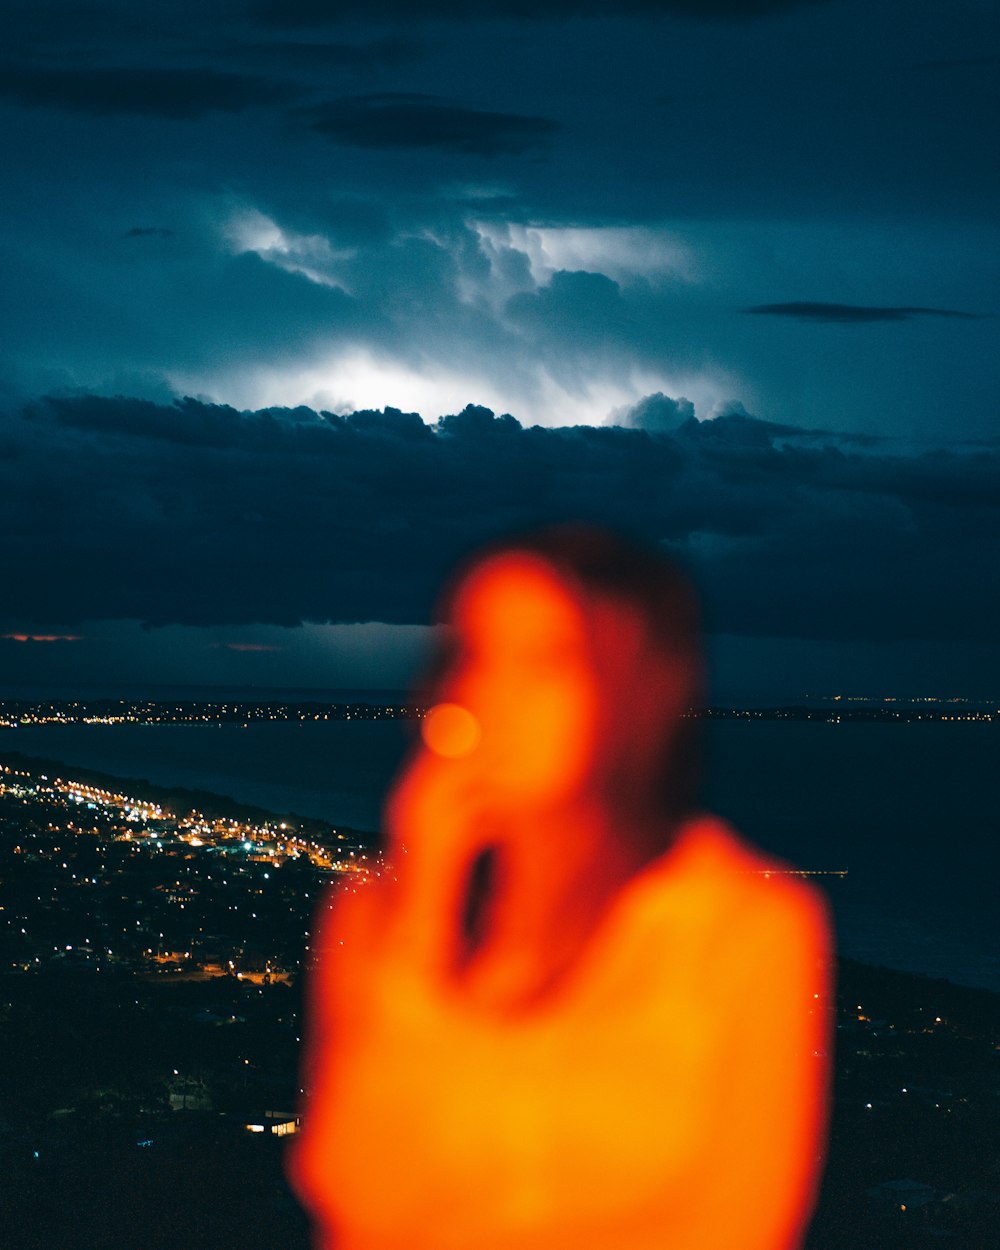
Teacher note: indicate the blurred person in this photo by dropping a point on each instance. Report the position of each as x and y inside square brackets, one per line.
[577, 1012]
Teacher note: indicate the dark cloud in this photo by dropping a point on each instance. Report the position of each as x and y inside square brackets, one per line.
[250, 647]
[295, 13]
[195, 513]
[409, 120]
[182, 94]
[853, 314]
[387, 53]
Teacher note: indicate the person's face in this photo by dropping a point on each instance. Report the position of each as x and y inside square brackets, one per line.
[524, 670]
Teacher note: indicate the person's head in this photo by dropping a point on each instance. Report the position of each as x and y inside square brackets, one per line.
[574, 655]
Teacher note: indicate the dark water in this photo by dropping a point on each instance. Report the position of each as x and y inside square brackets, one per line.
[912, 811]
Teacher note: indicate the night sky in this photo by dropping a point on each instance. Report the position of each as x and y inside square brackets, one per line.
[301, 299]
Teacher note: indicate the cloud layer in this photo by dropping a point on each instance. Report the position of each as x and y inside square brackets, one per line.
[197, 514]
[181, 94]
[413, 120]
[852, 314]
[660, 210]
[555, 208]
[297, 13]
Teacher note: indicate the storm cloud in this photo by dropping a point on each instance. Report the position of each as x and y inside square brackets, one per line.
[410, 120]
[757, 326]
[354, 206]
[198, 514]
[852, 314]
[182, 94]
[320, 12]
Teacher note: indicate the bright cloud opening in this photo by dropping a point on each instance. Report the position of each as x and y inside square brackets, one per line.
[310, 255]
[358, 378]
[622, 253]
[472, 333]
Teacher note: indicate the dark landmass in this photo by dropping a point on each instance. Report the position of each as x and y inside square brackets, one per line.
[158, 712]
[15, 712]
[914, 1153]
[125, 1108]
[865, 713]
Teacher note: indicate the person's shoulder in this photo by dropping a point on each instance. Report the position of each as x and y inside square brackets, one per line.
[750, 914]
[706, 852]
[713, 871]
[713, 845]
[773, 900]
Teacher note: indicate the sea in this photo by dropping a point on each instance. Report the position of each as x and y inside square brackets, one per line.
[911, 812]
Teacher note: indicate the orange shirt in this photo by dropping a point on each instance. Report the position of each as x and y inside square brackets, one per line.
[670, 1093]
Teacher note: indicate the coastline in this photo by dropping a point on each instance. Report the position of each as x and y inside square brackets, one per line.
[335, 774]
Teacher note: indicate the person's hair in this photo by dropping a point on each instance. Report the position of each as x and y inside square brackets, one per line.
[602, 563]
